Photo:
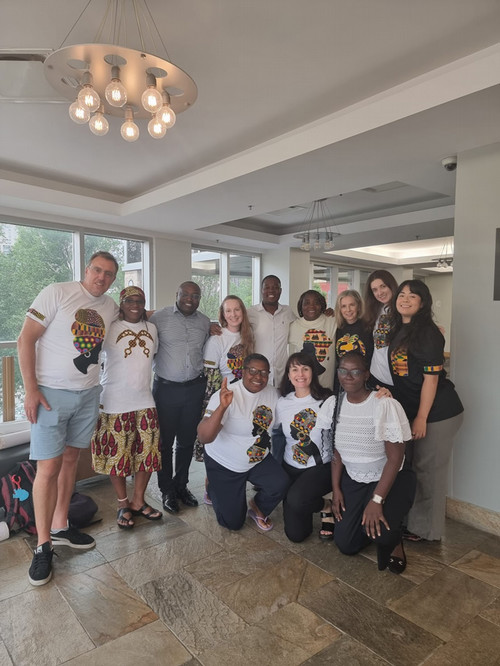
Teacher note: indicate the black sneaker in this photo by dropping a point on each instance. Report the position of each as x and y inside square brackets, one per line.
[73, 538]
[40, 571]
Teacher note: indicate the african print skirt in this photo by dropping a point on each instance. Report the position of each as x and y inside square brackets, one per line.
[123, 444]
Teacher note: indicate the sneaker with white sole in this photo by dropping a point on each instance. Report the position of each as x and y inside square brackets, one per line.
[40, 571]
[73, 538]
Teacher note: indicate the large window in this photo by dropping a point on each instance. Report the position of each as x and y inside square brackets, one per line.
[33, 257]
[222, 273]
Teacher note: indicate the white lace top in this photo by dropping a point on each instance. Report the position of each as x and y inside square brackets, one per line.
[361, 432]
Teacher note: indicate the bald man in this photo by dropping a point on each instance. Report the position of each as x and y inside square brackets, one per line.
[178, 390]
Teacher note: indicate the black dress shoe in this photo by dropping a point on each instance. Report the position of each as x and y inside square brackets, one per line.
[170, 502]
[186, 497]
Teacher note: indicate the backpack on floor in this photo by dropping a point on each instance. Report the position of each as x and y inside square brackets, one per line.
[82, 510]
[16, 495]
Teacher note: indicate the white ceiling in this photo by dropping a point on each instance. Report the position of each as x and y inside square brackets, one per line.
[296, 101]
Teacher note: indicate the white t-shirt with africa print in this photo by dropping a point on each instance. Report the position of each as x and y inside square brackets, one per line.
[67, 354]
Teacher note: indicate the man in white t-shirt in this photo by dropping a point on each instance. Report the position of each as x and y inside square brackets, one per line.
[271, 323]
[59, 349]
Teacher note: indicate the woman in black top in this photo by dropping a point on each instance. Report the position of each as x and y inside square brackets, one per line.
[416, 354]
[352, 333]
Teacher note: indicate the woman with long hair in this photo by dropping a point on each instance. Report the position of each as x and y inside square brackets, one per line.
[314, 331]
[380, 288]
[224, 354]
[430, 401]
[127, 436]
[372, 492]
[306, 463]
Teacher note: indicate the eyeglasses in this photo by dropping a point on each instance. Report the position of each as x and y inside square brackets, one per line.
[343, 372]
[254, 372]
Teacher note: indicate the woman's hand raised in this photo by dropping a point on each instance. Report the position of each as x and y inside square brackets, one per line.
[226, 396]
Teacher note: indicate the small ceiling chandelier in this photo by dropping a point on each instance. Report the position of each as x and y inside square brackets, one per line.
[445, 260]
[110, 79]
[316, 233]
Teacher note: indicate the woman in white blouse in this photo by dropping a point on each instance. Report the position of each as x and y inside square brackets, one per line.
[371, 491]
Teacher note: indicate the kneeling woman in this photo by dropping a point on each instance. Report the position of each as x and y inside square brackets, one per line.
[235, 432]
[306, 463]
[371, 491]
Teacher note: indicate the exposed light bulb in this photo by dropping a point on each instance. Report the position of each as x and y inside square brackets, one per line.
[79, 114]
[115, 92]
[166, 113]
[317, 244]
[156, 128]
[87, 95]
[129, 130]
[151, 98]
[98, 123]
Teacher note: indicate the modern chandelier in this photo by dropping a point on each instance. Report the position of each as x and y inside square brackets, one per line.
[445, 260]
[107, 78]
[316, 233]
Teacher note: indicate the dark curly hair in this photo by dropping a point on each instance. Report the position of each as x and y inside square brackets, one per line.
[416, 330]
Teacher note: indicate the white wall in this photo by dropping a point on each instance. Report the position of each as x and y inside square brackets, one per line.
[475, 364]
[441, 288]
[171, 267]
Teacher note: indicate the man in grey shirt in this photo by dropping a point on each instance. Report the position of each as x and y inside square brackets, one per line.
[178, 389]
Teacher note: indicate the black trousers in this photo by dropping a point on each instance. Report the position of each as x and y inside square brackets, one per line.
[179, 413]
[227, 489]
[304, 498]
[349, 534]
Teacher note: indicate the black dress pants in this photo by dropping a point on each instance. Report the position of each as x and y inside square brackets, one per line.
[350, 535]
[179, 413]
[304, 498]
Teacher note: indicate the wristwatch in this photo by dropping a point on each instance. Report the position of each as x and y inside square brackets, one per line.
[378, 499]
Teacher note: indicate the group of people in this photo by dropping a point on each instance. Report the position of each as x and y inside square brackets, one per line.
[306, 429]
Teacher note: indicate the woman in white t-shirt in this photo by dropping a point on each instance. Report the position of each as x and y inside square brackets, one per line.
[380, 288]
[126, 438]
[224, 354]
[307, 463]
[372, 493]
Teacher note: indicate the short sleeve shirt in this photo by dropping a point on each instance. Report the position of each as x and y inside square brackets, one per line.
[409, 368]
[225, 353]
[76, 323]
[244, 439]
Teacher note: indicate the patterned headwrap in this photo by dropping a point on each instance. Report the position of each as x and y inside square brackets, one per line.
[131, 291]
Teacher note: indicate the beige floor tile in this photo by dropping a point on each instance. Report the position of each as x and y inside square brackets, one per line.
[492, 612]
[14, 580]
[195, 615]
[300, 627]
[253, 647]
[477, 644]
[5, 660]
[255, 597]
[142, 536]
[458, 540]
[13, 551]
[359, 572]
[152, 644]
[226, 567]
[39, 627]
[105, 606]
[389, 635]
[345, 652]
[446, 602]
[481, 566]
[157, 561]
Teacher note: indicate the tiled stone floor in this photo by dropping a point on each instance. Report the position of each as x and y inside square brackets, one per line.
[186, 591]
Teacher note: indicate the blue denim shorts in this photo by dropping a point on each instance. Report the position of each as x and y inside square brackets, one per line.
[70, 421]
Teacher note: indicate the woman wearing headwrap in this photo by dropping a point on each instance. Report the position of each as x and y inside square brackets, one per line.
[126, 439]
